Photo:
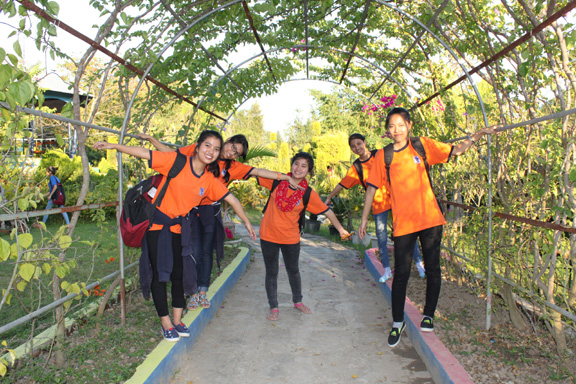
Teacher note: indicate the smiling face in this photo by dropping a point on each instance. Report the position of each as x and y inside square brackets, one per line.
[300, 168]
[208, 150]
[358, 146]
[231, 151]
[399, 129]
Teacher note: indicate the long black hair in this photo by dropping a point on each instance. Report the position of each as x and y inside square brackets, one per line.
[236, 139]
[213, 166]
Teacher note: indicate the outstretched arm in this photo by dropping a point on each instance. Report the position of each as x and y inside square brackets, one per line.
[336, 191]
[368, 200]
[332, 217]
[155, 142]
[468, 143]
[237, 207]
[140, 152]
[261, 172]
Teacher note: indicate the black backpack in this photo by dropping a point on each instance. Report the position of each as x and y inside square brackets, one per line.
[419, 148]
[305, 200]
[58, 197]
[138, 209]
[358, 165]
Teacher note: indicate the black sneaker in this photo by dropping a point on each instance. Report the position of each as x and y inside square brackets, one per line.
[395, 334]
[427, 324]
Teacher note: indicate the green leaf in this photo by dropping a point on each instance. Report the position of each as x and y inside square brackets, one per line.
[46, 268]
[65, 242]
[17, 48]
[25, 240]
[37, 273]
[22, 91]
[23, 204]
[22, 24]
[21, 286]
[13, 59]
[4, 250]
[64, 285]
[60, 271]
[27, 271]
[523, 69]
[53, 7]
[59, 139]
[5, 72]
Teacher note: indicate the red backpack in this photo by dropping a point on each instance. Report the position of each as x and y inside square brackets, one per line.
[138, 209]
[58, 197]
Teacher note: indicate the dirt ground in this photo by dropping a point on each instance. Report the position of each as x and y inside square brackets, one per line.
[502, 354]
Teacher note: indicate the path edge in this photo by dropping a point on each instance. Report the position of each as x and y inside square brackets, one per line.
[442, 365]
[162, 363]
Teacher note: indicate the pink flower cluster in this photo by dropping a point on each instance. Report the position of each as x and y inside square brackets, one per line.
[228, 233]
[437, 108]
[299, 49]
[388, 101]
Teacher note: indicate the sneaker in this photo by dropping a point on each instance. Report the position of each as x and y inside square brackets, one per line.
[169, 334]
[182, 330]
[421, 269]
[395, 335]
[427, 324]
[387, 274]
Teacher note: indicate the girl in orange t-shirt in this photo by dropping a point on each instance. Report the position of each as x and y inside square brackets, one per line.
[164, 243]
[279, 230]
[415, 210]
[380, 204]
[208, 229]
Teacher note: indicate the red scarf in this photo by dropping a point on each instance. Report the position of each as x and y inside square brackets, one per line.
[288, 203]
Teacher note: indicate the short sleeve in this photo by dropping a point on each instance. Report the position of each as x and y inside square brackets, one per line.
[436, 151]
[216, 190]
[351, 179]
[315, 204]
[239, 171]
[162, 161]
[377, 175]
[266, 183]
[188, 150]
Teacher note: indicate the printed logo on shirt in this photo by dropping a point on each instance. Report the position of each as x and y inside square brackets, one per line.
[416, 160]
[201, 191]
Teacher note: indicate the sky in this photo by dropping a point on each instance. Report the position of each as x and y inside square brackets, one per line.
[279, 110]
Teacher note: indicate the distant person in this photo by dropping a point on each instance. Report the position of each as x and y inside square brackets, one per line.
[358, 174]
[162, 258]
[52, 187]
[415, 210]
[280, 230]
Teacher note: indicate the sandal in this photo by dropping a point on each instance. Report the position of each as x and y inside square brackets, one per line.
[203, 301]
[302, 308]
[193, 303]
[273, 315]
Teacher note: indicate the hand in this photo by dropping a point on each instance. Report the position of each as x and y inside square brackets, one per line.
[294, 184]
[345, 235]
[328, 200]
[491, 129]
[144, 136]
[103, 145]
[251, 230]
[362, 228]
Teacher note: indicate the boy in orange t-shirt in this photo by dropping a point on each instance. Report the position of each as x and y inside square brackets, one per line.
[279, 230]
[416, 212]
[380, 205]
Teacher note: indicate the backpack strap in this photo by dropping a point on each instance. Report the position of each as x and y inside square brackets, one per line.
[388, 156]
[305, 200]
[274, 185]
[417, 145]
[178, 165]
[359, 170]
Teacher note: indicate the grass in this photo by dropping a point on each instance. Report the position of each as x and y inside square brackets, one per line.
[101, 349]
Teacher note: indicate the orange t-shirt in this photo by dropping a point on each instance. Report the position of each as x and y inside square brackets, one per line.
[381, 197]
[186, 190]
[282, 227]
[414, 206]
[237, 171]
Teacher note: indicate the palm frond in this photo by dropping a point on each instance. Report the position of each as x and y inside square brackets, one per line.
[258, 151]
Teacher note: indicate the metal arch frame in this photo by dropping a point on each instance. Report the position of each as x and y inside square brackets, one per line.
[307, 78]
[296, 46]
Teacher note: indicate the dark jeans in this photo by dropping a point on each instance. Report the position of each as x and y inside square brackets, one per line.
[291, 255]
[158, 289]
[403, 249]
[203, 254]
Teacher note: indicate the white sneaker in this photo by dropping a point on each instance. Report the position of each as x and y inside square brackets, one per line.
[387, 274]
[421, 269]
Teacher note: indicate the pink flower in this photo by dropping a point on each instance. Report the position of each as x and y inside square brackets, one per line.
[228, 233]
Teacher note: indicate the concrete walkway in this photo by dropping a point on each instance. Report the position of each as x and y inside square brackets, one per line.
[344, 340]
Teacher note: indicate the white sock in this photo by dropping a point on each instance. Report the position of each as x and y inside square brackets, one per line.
[397, 325]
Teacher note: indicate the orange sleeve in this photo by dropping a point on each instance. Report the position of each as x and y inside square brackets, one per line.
[162, 161]
[239, 171]
[215, 190]
[436, 152]
[266, 183]
[377, 176]
[315, 204]
[188, 150]
[351, 179]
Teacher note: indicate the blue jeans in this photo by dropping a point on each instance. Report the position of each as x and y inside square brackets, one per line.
[381, 220]
[51, 205]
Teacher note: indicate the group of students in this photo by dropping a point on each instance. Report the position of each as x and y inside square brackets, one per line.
[187, 224]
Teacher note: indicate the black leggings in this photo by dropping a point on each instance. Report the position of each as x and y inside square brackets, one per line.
[158, 289]
[291, 255]
[403, 249]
